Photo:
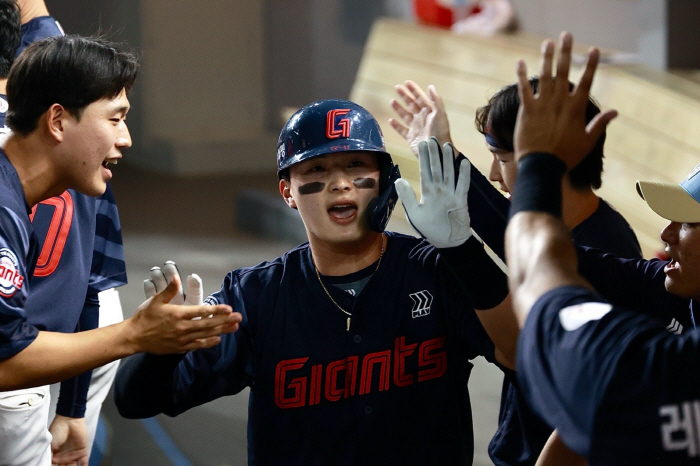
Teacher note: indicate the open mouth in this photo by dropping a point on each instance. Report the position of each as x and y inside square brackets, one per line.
[107, 162]
[343, 211]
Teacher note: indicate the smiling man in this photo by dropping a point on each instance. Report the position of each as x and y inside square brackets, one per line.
[67, 105]
[355, 345]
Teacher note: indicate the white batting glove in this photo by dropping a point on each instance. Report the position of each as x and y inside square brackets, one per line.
[442, 216]
[160, 278]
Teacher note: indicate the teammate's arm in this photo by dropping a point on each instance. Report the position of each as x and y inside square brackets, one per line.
[442, 217]
[555, 453]
[31, 9]
[539, 251]
[156, 327]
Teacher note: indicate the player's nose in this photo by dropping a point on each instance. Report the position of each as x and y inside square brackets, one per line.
[124, 139]
[340, 181]
[495, 171]
[669, 234]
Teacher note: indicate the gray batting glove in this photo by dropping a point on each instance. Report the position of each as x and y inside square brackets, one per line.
[160, 278]
[442, 216]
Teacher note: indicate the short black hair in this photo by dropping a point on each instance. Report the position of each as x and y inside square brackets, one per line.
[72, 71]
[498, 119]
[10, 35]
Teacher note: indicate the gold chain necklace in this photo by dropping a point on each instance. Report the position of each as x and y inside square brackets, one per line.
[349, 314]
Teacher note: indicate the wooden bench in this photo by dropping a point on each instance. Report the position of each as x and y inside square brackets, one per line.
[656, 137]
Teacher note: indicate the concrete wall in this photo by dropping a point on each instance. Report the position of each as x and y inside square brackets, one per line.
[607, 23]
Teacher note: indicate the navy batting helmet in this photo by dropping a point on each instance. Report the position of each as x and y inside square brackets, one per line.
[334, 125]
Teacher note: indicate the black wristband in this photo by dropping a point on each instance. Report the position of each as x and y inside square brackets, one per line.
[538, 186]
[479, 276]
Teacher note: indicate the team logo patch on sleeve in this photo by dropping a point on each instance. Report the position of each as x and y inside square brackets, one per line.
[573, 317]
[211, 300]
[11, 279]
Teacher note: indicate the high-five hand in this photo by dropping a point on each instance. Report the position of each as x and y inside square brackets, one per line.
[441, 216]
[554, 119]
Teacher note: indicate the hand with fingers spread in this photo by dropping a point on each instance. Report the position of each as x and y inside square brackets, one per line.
[554, 119]
[160, 327]
[441, 216]
[421, 116]
[162, 277]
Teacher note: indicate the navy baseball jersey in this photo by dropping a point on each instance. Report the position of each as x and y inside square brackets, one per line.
[39, 28]
[80, 254]
[390, 390]
[621, 388]
[18, 251]
[521, 434]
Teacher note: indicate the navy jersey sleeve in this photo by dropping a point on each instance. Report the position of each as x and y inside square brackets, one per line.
[147, 384]
[488, 211]
[617, 385]
[464, 323]
[108, 268]
[636, 284]
[15, 247]
[73, 395]
[37, 29]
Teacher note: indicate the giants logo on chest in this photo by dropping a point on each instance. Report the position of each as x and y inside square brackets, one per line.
[347, 377]
[11, 279]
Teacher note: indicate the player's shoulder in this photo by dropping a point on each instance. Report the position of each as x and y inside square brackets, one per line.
[295, 259]
[39, 28]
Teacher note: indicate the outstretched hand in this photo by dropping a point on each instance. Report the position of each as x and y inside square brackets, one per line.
[554, 119]
[161, 327]
[421, 116]
[442, 216]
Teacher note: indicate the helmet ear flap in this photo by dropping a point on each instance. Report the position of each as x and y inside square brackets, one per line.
[380, 208]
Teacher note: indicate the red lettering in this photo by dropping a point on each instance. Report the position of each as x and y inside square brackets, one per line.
[340, 378]
[333, 391]
[57, 234]
[382, 358]
[297, 385]
[331, 131]
[427, 357]
[316, 380]
[401, 352]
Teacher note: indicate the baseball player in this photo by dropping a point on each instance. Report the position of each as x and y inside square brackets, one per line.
[55, 301]
[618, 386]
[355, 345]
[521, 435]
[67, 104]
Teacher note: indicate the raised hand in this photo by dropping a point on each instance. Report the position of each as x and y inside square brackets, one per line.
[422, 116]
[441, 216]
[161, 277]
[554, 119]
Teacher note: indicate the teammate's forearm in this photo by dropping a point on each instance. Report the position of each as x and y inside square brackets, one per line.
[53, 357]
[555, 453]
[541, 257]
[30, 9]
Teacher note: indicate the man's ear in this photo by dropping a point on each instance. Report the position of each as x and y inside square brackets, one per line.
[54, 119]
[286, 192]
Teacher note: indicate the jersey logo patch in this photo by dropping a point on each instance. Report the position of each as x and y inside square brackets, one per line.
[336, 129]
[211, 301]
[11, 279]
[573, 317]
[421, 303]
[675, 327]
